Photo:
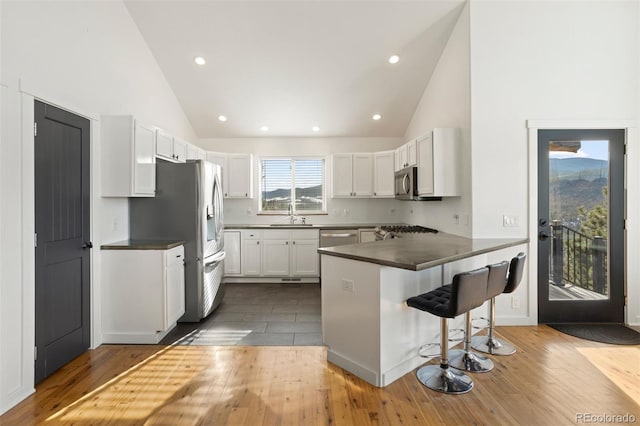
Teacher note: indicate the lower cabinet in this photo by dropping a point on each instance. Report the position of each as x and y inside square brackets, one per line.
[233, 258]
[142, 294]
[282, 254]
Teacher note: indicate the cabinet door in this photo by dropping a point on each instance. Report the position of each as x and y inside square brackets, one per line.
[164, 145]
[239, 175]
[275, 258]
[144, 160]
[383, 174]
[193, 152]
[425, 166]
[363, 175]
[232, 264]
[412, 153]
[305, 260]
[342, 172]
[401, 157]
[179, 150]
[251, 257]
[174, 286]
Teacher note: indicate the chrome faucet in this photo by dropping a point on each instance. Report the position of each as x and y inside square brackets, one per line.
[292, 218]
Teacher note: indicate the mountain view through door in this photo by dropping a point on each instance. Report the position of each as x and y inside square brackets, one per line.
[581, 225]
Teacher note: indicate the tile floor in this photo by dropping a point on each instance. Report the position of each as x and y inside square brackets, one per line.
[258, 315]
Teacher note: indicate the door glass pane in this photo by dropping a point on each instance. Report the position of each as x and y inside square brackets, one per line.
[579, 213]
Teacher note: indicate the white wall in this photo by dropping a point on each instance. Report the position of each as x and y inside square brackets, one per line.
[339, 210]
[87, 57]
[574, 60]
[446, 103]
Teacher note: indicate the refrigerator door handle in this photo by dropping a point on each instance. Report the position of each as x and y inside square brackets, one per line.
[215, 258]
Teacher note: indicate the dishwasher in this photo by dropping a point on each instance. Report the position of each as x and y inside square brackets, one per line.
[338, 237]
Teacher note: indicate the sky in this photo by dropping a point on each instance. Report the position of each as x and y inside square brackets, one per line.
[598, 150]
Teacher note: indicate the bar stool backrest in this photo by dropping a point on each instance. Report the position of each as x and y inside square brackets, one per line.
[497, 279]
[468, 291]
[516, 270]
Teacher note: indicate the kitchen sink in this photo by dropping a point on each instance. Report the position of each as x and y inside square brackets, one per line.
[292, 224]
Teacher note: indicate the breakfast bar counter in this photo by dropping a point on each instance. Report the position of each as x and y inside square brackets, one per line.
[366, 324]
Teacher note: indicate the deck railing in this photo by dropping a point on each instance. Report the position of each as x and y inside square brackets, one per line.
[578, 259]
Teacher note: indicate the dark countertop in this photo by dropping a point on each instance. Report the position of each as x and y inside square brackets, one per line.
[313, 226]
[421, 252]
[142, 245]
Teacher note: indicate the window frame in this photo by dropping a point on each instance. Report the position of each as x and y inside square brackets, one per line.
[295, 212]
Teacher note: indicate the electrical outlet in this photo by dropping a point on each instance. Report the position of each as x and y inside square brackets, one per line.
[392, 211]
[456, 219]
[515, 302]
[347, 285]
[510, 221]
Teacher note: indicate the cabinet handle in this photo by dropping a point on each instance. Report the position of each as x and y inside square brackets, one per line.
[225, 194]
[258, 243]
[287, 243]
[293, 242]
[178, 255]
[374, 193]
[246, 195]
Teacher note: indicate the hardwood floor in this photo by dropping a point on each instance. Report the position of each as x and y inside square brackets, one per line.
[552, 379]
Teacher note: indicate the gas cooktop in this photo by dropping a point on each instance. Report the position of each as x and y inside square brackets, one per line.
[400, 231]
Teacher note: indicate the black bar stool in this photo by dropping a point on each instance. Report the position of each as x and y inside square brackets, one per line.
[467, 291]
[489, 343]
[465, 359]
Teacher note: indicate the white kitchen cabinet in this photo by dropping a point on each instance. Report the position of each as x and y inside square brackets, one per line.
[127, 155]
[251, 253]
[407, 155]
[383, 178]
[129, 277]
[232, 248]
[170, 148]
[305, 260]
[195, 153]
[352, 175]
[275, 257]
[438, 163]
[237, 173]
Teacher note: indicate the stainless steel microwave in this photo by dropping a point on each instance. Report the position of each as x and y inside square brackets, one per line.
[406, 183]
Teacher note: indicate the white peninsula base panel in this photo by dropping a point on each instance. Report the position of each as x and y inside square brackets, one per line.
[143, 294]
[367, 326]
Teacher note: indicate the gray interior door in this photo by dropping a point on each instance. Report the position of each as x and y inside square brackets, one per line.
[581, 226]
[62, 197]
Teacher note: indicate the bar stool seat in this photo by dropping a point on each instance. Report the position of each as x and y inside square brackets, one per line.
[499, 283]
[466, 292]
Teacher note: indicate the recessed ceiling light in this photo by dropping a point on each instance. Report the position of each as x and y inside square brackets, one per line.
[376, 117]
[264, 128]
[394, 59]
[222, 117]
[199, 60]
[315, 128]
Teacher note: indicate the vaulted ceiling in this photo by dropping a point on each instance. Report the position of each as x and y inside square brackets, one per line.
[292, 65]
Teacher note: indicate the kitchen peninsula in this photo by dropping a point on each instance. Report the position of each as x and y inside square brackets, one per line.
[366, 324]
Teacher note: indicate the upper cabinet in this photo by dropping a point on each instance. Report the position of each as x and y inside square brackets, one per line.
[406, 155]
[438, 163]
[170, 148]
[127, 155]
[352, 175]
[195, 153]
[383, 167]
[237, 173]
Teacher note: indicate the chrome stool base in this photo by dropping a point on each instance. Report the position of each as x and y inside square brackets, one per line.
[444, 380]
[492, 345]
[469, 361]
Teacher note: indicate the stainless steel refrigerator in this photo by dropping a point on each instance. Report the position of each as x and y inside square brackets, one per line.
[187, 206]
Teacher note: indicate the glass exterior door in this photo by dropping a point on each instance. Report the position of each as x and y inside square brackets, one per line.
[581, 226]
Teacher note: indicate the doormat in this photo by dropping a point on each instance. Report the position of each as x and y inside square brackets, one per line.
[615, 334]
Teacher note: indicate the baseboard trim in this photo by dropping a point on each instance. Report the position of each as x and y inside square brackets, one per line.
[272, 280]
[347, 364]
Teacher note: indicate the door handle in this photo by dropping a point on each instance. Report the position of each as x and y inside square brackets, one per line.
[87, 245]
[543, 236]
